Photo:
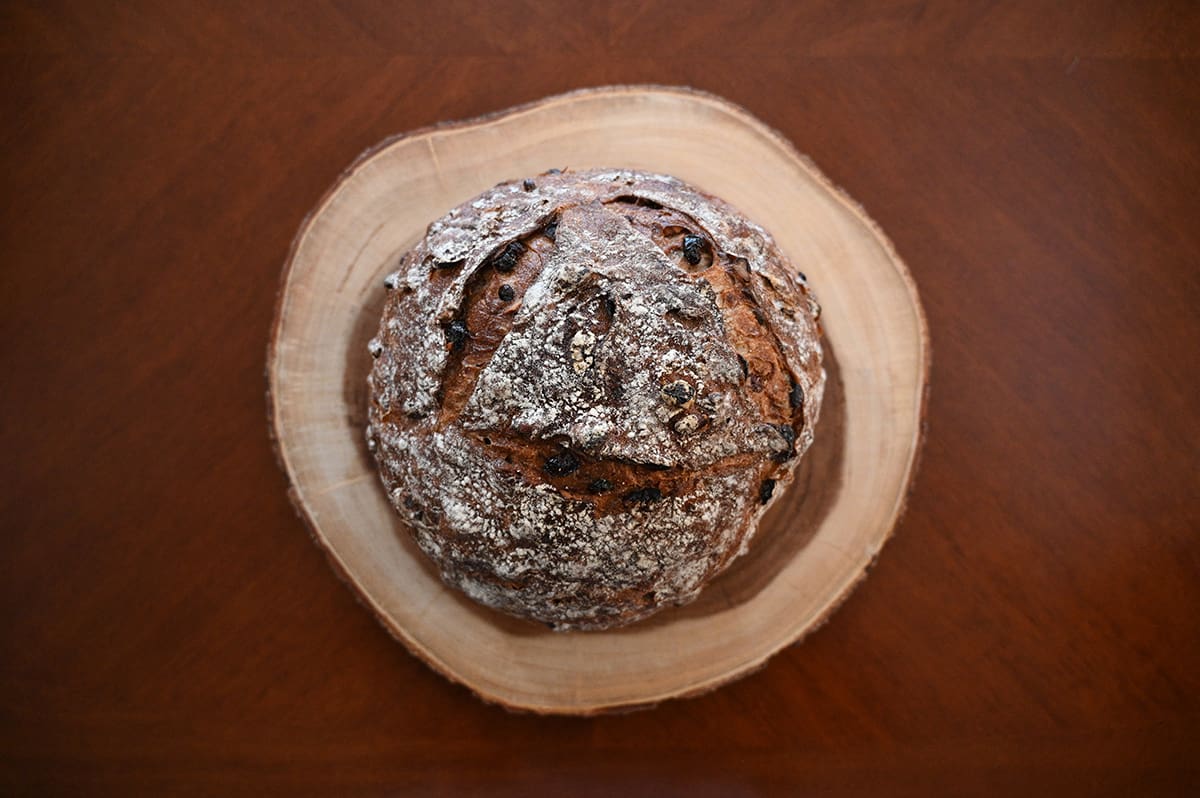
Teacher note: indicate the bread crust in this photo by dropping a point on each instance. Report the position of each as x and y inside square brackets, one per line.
[587, 388]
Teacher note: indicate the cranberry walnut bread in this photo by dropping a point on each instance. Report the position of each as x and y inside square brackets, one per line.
[587, 389]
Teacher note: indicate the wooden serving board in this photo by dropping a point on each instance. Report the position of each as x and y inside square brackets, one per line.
[814, 545]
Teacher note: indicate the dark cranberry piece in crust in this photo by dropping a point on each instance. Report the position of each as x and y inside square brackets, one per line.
[508, 258]
[679, 391]
[787, 433]
[644, 495]
[457, 334]
[789, 436]
[561, 464]
[693, 248]
[796, 397]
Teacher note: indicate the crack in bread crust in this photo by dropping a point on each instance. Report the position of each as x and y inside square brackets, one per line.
[583, 394]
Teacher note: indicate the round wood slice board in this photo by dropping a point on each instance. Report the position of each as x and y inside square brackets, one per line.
[814, 545]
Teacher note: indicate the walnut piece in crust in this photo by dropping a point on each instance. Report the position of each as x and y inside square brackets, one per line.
[587, 388]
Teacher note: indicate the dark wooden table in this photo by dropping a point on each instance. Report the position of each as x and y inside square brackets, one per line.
[1034, 628]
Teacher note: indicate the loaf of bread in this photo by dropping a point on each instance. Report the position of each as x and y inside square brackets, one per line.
[587, 388]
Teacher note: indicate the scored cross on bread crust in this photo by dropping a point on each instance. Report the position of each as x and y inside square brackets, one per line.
[587, 388]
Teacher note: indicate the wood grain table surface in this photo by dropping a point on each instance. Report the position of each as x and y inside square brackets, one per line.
[169, 628]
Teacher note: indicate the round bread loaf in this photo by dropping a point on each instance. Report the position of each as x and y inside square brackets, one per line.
[587, 388]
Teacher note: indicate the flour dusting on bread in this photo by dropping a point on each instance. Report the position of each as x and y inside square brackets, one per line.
[586, 389]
